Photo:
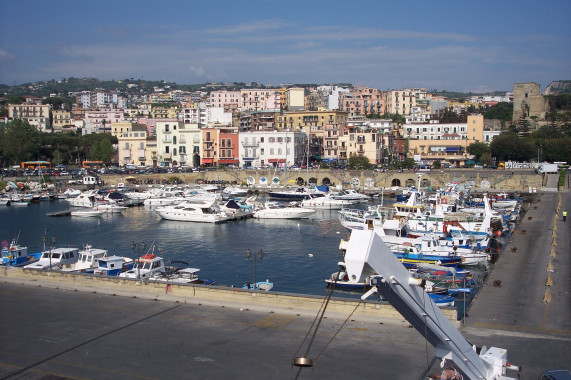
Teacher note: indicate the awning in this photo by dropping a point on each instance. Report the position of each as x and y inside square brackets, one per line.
[452, 148]
[470, 162]
[276, 160]
[207, 160]
[228, 161]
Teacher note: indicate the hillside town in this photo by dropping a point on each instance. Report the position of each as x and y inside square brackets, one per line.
[287, 125]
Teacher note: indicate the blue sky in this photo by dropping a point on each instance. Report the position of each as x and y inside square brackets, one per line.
[445, 45]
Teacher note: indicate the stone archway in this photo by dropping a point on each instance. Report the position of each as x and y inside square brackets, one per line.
[299, 181]
[395, 182]
[313, 180]
[326, 181]
[425, 183]
[410, 182]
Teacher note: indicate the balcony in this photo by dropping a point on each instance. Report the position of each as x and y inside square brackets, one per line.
[166, 139]
[167, 156]
[250, 145]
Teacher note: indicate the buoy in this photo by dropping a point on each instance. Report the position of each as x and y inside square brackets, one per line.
[310, 255]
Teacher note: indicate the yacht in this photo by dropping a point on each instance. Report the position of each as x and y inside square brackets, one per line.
[193, 212]
[351, 195]
[277, 210]
[325, 201]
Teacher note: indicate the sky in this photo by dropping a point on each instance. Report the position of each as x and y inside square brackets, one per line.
[444, 45]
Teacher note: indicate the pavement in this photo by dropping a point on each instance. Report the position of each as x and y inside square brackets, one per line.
[51, 332]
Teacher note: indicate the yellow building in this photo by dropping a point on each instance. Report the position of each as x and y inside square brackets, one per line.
[61, 119]
[135, 149]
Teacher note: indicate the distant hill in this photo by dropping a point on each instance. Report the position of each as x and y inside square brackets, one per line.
[558, 87]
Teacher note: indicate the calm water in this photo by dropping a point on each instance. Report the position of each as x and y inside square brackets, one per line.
[217, 249]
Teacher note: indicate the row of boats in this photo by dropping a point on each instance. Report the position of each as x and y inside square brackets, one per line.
[96, 261]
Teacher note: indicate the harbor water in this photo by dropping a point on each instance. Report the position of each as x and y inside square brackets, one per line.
[298, 255]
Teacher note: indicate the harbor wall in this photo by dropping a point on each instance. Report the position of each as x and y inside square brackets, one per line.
[206, 294]
[367, 180]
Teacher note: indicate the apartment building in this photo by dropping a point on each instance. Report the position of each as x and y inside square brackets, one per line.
[402, 101]
[37, 115]
[229, 100]
[294, 99]
[361, 101]
[100, 121]
[446, 142]
[260, 99]
[271, 148]
[178, 143]
[134, 147]
[61, 119]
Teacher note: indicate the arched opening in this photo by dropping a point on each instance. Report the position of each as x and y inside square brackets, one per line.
[425, 183]
[299, 181]
[313, 181]
[410, 182]
[195, 160]
[395, 182]
[326, 181]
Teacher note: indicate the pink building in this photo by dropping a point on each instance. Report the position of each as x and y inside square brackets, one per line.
[225, 99]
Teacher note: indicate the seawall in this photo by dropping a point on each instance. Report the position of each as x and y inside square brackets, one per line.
[206, 294]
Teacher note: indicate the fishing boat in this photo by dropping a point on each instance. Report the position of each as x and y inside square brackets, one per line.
[113, 265]
[145, 266]
[55, 258]
[177, 275]
[88, 259]
[14, 254]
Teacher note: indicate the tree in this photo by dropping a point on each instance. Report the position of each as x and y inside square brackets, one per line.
[437, 164]
[510, 146]
[478, 149]
[359, 162]
[502, 111]
[18, 141]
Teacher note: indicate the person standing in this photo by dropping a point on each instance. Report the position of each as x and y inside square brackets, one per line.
[564, 216]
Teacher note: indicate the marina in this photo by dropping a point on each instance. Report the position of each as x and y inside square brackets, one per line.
[513, 314]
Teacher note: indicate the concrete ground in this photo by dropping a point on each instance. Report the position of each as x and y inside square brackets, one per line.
[57, 333]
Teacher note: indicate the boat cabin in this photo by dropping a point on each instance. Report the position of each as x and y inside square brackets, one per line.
[113, 265]
[88, 258]
[56, 257]
[145, 266]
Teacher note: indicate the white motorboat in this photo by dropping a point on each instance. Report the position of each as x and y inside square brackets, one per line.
[87, 212]
[351, 195]
[145, 267]
[110, 208]
[277, 210]
[83, 200]
[193, 212]
[56, 258]
[235, 191]
[88, 259]
[325, 201]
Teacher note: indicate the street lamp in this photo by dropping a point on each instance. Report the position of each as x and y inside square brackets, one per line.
[53, 241]
[248, 255]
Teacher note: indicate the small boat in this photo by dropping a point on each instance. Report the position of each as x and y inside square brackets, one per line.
[260, 285]
[277, 210]
[55, 258]
[145, 267]
[110, 208]
[88, 212]
[298, 194]
[351, 195]
[325, 201]
[14, 254]
[113, 265]
[442, 300]
[181, 276]
[82, 200]
[88, 259]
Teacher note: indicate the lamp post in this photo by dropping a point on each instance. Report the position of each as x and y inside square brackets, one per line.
[138, 249]
[53, 243]
[248, 255]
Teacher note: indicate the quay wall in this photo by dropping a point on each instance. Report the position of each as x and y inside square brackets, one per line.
[366, 180]
[205, 294]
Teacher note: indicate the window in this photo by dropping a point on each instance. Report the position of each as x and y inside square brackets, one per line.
[174, 140]
[167, 149]
[126, 146]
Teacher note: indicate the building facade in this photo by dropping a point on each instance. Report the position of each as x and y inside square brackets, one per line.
[37, 115]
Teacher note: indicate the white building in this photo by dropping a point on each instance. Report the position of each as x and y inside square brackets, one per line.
[216, 115]
[295, 99]
[279, 149]
[100, 121]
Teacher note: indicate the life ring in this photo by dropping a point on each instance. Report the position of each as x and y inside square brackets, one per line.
[148, 256]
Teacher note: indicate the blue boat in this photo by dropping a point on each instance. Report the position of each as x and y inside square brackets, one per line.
[260, 285]
[113, 265]
[16, 255]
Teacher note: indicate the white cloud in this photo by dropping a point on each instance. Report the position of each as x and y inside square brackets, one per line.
[5, 56]
[196, 71]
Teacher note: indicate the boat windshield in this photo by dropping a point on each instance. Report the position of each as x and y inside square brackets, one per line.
[142, 265]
